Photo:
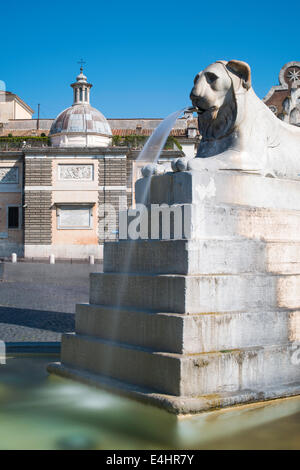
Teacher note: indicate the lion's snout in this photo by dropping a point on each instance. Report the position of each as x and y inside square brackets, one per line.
[194, 99]
[199, 102]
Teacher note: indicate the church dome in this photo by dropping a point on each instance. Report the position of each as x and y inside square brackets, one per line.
[80, 125]
[81, 118]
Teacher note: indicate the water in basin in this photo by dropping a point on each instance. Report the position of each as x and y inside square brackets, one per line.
[39, 411]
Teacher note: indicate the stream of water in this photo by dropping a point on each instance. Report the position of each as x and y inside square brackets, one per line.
[154, 145]
[149, 154]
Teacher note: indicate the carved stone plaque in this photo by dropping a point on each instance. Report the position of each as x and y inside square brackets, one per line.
[9, 175]
[76, 172]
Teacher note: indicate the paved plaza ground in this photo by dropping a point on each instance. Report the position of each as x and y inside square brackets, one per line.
[35, 314]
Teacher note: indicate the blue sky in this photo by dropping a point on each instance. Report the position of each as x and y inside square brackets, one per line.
[141, 56]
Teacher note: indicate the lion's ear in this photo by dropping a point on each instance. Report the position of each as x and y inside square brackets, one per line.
[242, 70]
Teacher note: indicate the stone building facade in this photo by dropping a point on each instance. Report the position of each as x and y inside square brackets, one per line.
[12, 108]
[11, 202]
[54, 201]
[64, 199]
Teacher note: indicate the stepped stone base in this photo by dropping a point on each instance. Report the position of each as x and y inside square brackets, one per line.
[218, 255]
[208, 321]
[177, 405]
[186, 375]
[187, 334]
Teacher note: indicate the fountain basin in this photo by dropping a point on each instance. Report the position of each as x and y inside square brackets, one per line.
[42, 412]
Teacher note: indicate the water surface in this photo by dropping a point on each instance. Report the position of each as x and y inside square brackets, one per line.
[38, 411]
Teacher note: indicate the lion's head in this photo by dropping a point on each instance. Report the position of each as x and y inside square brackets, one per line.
[214, 96]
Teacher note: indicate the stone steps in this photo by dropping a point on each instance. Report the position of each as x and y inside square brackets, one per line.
[206, 321]
[186, 375]
[219, 256]
[187, 334]
[196, 294]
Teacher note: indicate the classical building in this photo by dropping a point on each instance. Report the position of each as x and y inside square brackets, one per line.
[12, 107]
[53, 198]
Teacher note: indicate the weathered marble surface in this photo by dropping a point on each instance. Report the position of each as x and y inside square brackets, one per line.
[208, 321]
[239, 132]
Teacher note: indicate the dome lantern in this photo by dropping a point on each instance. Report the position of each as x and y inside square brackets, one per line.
[81, 89]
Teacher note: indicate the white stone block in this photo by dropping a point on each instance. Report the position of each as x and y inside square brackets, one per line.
[225, 187]
[223, 221]
[196, 294]
[183, 375]
[205, 256]
[189, 334]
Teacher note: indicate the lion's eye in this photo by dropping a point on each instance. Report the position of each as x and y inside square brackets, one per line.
[210, 77]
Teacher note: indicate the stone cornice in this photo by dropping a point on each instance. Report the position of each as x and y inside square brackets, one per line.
[76, 151]
[133, 154]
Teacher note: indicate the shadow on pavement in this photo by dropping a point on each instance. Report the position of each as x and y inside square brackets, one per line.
[41, 319]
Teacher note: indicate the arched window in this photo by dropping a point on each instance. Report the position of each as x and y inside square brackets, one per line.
[86, 94]
[80, 94]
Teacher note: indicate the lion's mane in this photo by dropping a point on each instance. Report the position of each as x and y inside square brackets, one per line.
[218, 123]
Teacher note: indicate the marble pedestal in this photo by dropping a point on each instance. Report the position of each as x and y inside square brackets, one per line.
[207, 321]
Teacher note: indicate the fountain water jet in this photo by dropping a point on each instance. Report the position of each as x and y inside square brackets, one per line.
[149, 155]
[154, 145]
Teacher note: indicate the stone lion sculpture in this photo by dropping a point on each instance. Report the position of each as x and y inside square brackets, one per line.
[239, 132]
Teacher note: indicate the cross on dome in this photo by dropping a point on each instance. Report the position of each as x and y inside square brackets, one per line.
[81, 62]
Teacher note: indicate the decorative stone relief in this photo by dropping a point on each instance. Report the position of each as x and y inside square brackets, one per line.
[9, 175]
[76, 172]
[293, 75]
